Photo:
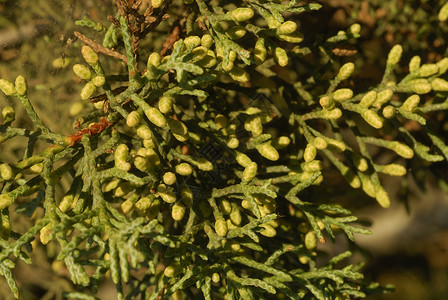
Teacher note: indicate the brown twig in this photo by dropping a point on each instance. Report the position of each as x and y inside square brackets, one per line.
[98, 48]
[172, 38]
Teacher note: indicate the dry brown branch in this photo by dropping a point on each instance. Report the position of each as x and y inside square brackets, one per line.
[98, 48]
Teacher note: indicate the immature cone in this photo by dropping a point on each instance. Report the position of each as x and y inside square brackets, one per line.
[6, 171]
[89, 55]
[342, 94]
[82, 71]
[8, 114]
[280, 56]
[155, 117]
[368, 99]
[178, 211]
[166, 104]
[414, 64]
[7, 87]
[394, 55]
[184, 169]
[443, 13]
[346, 71]
[88, 90]
[411, 103]
[221, 227]
[372, 118]
[242, 14]
[249, 172]
[439, 85]
[260, 51]
[268, 151]
[21, 85]
[133, 119]
[287, 28]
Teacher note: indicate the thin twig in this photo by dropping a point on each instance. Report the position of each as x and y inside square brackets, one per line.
[98, 48]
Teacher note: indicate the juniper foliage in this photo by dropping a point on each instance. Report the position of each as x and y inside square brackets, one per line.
[190, 166]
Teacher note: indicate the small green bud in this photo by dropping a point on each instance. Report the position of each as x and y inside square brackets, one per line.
[121, 153]
[178, 211]
[157, 3]
[144, 132]
[207, 40]
[287, 28]
[382, 197]
[235, 216]
[354, 29]
[352, 179]
[389, 112]
[320, 143]
[281, 142]
[239, 74]
[313, 166]
[236, 32]
[310, 241]
[122, 189]
[179, 129]
[166, 194]
[166, 104]
[360, 163]
[342, 94]
[294, 38]
[310, 153]
[61, 62]
[333, 114]
[184, 169]
[268, 151]
[154, 59]
[172, 270]
[76, 108]
[8, 114]
[443, 13]
[367, 185]
[66, 202]
[45, 234]
[326, 102]
[243, 159]
[411, 103]
[82, 71]
[368, 99]
[249, 172]
[420, 86]
[272, 22]
[260, 51]
[254, 125]
[346, 71]
[394, 55]
[427, 70]
[220, 120]
[403, 150]
[155, 117]
[126, 206]
[21, 85]
[268, 231]
[89, 55]
[242, 14]
[6, 171]
[221, 227]
[99, 81]
[225, 207]
[414, 64]
[383, 97]
[186, 195]
[233, 142]
[215, 277]
[280, 56]
[133, 119]
[192, 41]
[143, 204]
[439, 85]
[88, 90]
[169, 178]
[394, 170]
[443, 65]
[372, 118]
[7, 87]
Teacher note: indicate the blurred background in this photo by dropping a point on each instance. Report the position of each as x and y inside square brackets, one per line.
[409, 244]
